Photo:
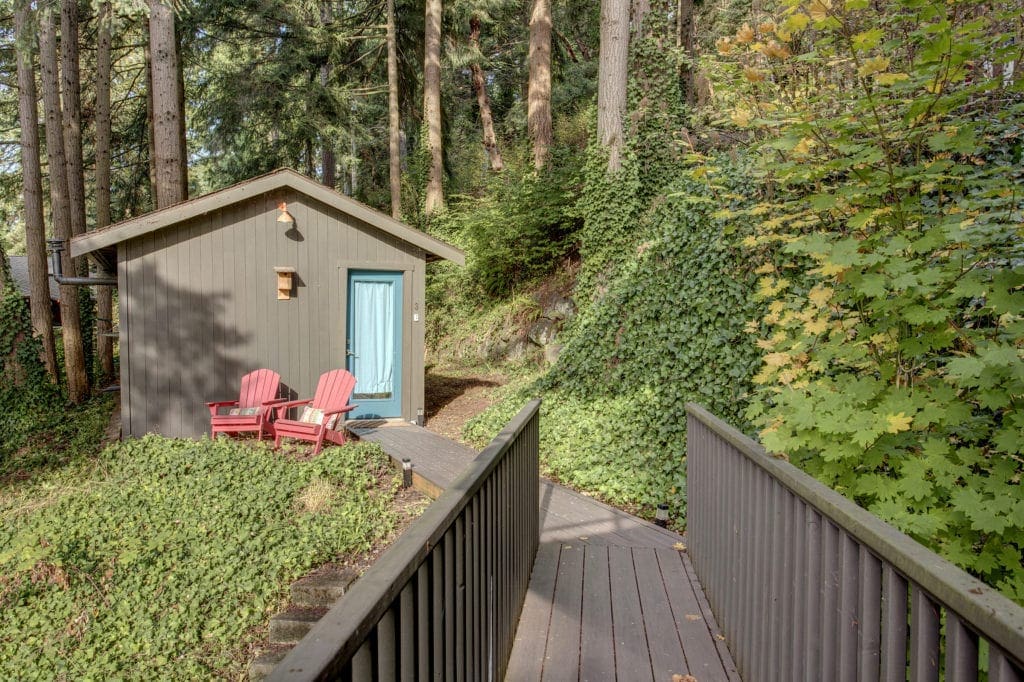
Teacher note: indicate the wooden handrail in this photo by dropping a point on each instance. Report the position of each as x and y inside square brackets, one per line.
[763, 532]
[510, 514]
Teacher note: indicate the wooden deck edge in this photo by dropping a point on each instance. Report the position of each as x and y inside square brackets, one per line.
[669, 535]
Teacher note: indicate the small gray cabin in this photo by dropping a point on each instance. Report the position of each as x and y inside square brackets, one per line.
[278, 272]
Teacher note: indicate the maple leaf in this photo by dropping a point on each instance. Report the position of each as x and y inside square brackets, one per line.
[818, 9]
[820, 295]
[897, 422]
[745, 34]
[873, 65]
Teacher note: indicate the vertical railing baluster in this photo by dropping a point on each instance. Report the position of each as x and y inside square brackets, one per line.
[829, 599]
[438, 615]
[798, 585]
[924, 637]
[813, 590]
[362, 663]
[460, 597]
[424, 619]
[787, 598]
[387, 648]
[762, 550]
[1000, 668]
[774, 583]
[407, 633]
[869, 616]
[961, 651]
[448, 591]
[849, 582]
[894, 626]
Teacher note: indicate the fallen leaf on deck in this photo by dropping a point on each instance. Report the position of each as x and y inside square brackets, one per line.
[679, 547]
[721, 637]
[683, 678]
[692, 617]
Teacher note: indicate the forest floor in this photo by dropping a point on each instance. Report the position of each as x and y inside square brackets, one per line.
[454, 396]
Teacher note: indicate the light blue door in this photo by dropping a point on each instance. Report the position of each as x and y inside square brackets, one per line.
[375, 342]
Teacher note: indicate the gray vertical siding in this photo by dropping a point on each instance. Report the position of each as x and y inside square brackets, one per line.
[199, 307]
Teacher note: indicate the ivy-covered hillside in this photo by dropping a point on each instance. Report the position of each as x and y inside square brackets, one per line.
[834, 263]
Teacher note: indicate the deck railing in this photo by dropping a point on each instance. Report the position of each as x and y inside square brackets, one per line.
[443, 602]
[808, 586]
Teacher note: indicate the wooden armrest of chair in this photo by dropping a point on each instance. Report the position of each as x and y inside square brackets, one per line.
[282, 408]
[214, 406]
[347, 408]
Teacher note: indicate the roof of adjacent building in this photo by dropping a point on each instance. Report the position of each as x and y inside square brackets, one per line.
[276, 180]
[19, 271]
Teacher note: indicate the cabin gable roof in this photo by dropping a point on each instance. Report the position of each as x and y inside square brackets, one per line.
[282, 178]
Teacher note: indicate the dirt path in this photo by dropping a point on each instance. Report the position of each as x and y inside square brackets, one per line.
[453, 398]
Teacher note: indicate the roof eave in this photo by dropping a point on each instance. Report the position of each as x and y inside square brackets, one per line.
[137, 227]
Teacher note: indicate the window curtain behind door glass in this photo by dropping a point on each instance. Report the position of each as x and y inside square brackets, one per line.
[374, 336]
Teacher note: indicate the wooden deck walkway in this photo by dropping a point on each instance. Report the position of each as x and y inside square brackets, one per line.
[611, 597]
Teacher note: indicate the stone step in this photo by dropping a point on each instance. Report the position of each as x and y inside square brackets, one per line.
[322, 589]
[261, 666]
[292, 624]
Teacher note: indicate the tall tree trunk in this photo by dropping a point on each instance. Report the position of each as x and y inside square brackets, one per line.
[353, 164]
[684, 39]
[538, 113]
[640, 10]
[32, 188]
[167, 122]
[74, 350]
[394, 125]
[104, 294]
[432, 105]
[182, 140]
[612, 78]
[150, 126]
[483, 101]
[327, 160]
[72, 121]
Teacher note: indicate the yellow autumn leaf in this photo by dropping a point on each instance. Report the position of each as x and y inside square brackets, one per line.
[804, 146]
[776, 359]
[741, 117]
[745, 34]
[830, 269]
[817, 326]
[878, 339]
[766, 27]
[873, 65]
[788, 376]
[794, 22]
[818, 9]
[820, 295]
[724, 45]
[890, 78]
[897, 422]
[766, 269]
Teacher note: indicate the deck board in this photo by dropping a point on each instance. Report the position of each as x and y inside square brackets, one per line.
[611, 596]
[597, 659]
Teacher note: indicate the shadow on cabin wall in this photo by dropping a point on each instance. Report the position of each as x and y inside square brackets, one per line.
[180, 353]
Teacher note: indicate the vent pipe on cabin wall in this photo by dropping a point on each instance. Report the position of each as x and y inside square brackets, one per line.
[57, 270]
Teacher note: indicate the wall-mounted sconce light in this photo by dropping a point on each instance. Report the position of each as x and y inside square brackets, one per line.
[285, 218]
[284, 281]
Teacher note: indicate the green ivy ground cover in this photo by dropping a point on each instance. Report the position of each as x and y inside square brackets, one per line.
[670, 327]
[160, 558]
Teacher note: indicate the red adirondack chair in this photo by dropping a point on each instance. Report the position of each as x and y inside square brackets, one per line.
[321, 418]
[249, 412]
